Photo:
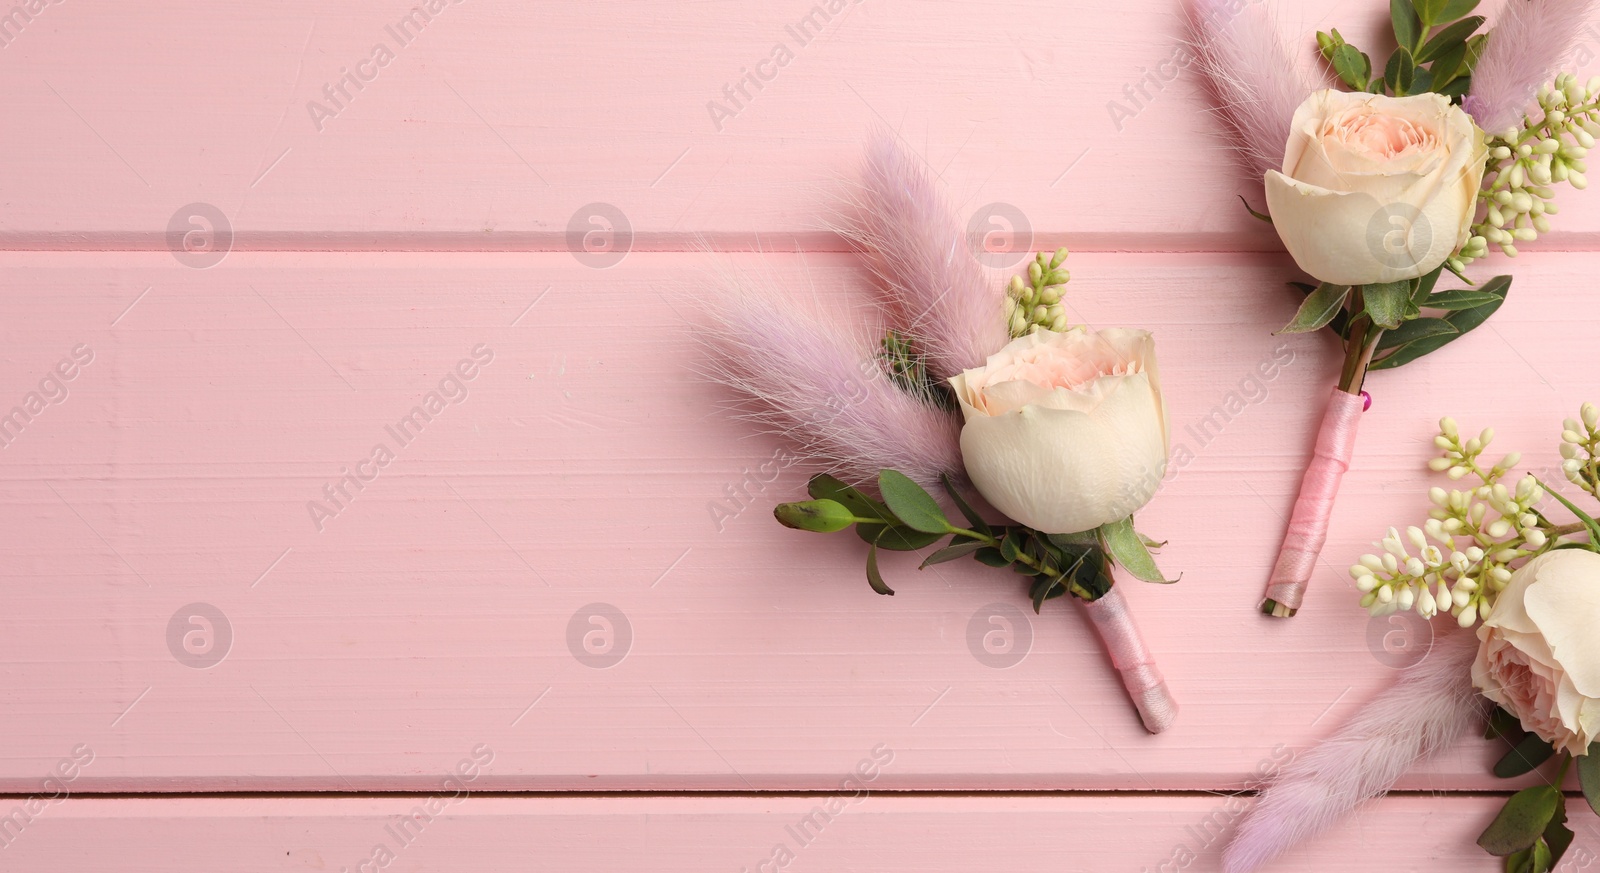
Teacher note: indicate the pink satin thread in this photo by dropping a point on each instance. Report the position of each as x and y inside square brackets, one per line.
[1114, 623]
[1308, 524]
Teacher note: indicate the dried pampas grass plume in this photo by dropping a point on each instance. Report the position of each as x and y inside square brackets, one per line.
[1254, 82]
[1432, 705]
[820, 385]
[1527, 46]
[934, 290]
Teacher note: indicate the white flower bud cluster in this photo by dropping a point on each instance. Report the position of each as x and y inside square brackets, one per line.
[1524, 162]
[1580, 445]
[1036, 304]
[1459, 560]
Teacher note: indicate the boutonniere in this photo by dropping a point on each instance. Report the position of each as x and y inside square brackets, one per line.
[1490, 552]
[1418, 166]
[966, 417]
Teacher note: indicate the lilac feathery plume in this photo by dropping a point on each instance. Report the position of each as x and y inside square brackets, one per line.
[934, 289]
[1429, 707]
[1253, 80]
[822, 387]
[1529, 42]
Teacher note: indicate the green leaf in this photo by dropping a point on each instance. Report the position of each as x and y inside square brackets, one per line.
[1454, 9]
[1589, 523]
[1522, 820]
[1318, 309]
[874, 578]
[1413, 330]
[1352, 66]
[819, 516]
[1464, 320]
[1400, 72]
[1449, 38]
[1045, 589]
[896, 538]
[952, 552]
[1557, 836]
[1522, 862]
[1429, 11]
[1404, 18]
[1386, 302]
[1475, 48]
[1260, 216]
[1010, 549]
[1081, 538]
[1456, 88]
[825, 487]
[1589, 776]
[1421, 81]
[1123, 543]
[1529, 753]
[1447, 65]
[911, 504]
[990, 556]
[1425, 283]
[1459, 298]
[967, 512]
[1502, 724]
[1092, 575]
[1436, 12]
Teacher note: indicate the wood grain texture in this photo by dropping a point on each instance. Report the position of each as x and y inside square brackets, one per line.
[178, 619]
[873, 832]
[496, 124]
[583, 467]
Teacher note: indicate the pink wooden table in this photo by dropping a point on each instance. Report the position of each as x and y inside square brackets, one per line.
[227, 572]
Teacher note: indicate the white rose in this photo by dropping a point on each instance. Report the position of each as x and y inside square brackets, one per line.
[1539, 652]
[1376, 188]
[1066, 431]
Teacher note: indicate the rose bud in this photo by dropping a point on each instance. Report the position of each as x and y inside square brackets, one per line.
[1376, 188]
[1539, 655]
[1066, 431]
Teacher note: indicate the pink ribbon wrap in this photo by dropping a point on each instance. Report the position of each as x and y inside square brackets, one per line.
[1117, 630]
[1308, 524]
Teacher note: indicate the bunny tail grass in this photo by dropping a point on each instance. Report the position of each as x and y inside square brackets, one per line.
[1253, 81]
[1529, 42]
[1431, 706]
[935, 290]
[822, 387]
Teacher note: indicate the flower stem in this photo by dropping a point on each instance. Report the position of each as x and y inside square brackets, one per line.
[1363, 343]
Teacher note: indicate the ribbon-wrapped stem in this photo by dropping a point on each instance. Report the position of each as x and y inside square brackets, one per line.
[1308, 523]
[1114, 623]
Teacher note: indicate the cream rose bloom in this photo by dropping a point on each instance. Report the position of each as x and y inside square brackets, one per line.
[1376, 188]
[1066, 431]
[1539, 652]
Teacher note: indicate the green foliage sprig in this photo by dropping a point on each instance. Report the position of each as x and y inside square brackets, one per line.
[1384, 326]
[906, 518]
[1531, 830]
[1436, 48]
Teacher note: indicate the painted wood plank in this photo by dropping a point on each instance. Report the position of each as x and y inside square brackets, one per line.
[499, 125]
[443, 605]
[870, 831]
